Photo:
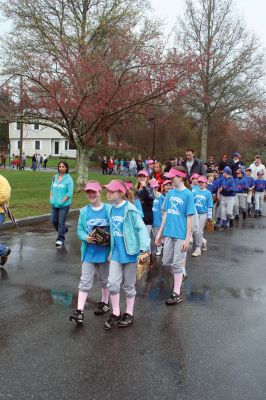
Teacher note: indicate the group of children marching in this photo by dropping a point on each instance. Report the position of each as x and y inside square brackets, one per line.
[174, 211]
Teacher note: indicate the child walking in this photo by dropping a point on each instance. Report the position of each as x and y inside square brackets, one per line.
[93, 256]
[260, 186]
[176, 229]
[242, 188]
[204, 205]
[129, 237]
[157, 212]
[251, 186]
[226, 193]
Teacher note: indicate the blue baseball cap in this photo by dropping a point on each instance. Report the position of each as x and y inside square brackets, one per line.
[236, 155]
[227, 170]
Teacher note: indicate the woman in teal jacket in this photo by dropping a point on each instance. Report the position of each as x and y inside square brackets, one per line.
[60, 199]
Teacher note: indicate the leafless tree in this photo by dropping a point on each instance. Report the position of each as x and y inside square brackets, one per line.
[230, 63]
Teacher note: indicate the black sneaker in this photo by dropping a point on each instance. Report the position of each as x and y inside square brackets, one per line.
[237, 218]
[77, 316]
[4, 258]
[126, 320]
[111, 322]
[174, 299]
[102, 308]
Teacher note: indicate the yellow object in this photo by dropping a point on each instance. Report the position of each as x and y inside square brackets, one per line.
[5, 192]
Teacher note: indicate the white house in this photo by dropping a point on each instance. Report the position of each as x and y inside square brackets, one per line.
[39, 139]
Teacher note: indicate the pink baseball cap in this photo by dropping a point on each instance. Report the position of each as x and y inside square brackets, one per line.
[150, 162]
[153, 183]
[94, 186]
[167, 182]
[143, 172]
[116, 186]
[173, 172]
[194, 176]
[128, 185]
[202, 179]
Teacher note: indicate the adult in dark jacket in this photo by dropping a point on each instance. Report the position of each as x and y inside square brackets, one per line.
[236, 163]
[224, 163]
[193, 165]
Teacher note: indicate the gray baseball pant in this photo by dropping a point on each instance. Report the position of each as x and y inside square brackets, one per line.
[227, 206]
[240, 203]
[125, 273]
[88, 271]
[259, 198]
[173, 256]
[198, 234]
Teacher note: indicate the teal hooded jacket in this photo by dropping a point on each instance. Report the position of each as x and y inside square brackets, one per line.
[60, 190]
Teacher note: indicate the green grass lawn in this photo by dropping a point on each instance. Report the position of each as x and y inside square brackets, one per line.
[31, 190]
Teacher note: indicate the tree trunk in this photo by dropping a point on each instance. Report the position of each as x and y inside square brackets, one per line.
[204, 139]
[83, 158]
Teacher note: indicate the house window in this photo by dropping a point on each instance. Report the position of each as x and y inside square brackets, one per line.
[72, 146]
[18, 144]
[18, 126]
[36, 127]
[37, 145]
[66, 145]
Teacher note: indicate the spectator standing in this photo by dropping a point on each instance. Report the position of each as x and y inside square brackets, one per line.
[133, 167]
[110, 165]
[45, 161]
[193, 165]
[3, 159]
[224, 163]
[236, 164]
[104, 165]
[256, 167]
[23, 161]
[34, 162]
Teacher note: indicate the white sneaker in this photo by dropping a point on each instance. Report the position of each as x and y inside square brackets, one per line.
[204, 245]
[197, 252]
[158, 251]
[59, 243]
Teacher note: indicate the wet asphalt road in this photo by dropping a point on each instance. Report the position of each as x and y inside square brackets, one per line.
[210, 347]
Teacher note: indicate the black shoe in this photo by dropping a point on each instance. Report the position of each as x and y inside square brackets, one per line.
[259, 213]
[102, 308]
[66, 229]
[126, 320]
[244, 215]
[237, 218]
[174, 299]
[4, 258]
[231, 223]
[111, 322]
[77, 316]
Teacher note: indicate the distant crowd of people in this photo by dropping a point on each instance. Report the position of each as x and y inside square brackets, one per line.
[37, 161]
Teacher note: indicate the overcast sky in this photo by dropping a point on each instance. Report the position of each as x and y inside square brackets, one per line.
[252, 11]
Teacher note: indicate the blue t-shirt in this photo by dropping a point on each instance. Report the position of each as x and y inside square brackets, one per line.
[203, 200]
[96, 217]
[178, 205]
[194, 188]
[117, 224]
[260, 185]
[251, 181]
[157, 211]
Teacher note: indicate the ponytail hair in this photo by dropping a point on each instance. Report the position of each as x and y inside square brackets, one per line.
[129, 194]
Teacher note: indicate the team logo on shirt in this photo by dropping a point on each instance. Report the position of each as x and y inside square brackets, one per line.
[92, 223]
[117, 224]
[200, 200]
[155, 205]
[175, 203]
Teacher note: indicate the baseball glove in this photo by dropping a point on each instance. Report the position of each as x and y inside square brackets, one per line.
[143, 264]
[101, 236]
[209, 225]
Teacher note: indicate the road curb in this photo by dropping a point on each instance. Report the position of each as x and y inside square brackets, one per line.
[33, 220]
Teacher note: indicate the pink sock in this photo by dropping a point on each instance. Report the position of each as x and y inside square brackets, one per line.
[115, 299]
[130, 305]
[82, 300]
[105, 295]
[178, 278]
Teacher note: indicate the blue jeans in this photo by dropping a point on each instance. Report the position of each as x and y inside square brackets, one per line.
[3, 248]
[58, 219]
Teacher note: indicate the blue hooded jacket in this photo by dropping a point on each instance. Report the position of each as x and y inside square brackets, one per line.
[242, 185]
[228, 186]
